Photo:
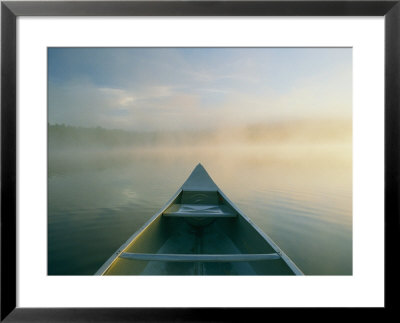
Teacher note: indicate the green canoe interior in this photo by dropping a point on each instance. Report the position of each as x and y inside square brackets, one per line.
[192, 233]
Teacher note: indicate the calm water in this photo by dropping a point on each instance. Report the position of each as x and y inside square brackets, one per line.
[302, 198]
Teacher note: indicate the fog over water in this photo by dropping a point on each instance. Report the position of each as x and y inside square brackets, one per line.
[272, 126]
[298, 189]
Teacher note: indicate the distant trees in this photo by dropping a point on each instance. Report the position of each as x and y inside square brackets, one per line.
[61, 136]
[64, 136]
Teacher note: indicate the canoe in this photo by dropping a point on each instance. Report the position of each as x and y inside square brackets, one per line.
[199, 231]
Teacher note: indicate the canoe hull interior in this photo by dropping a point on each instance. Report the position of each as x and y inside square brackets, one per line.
[198, 236]
[199, 232]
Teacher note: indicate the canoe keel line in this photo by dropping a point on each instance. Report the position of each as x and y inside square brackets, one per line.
[199, 232]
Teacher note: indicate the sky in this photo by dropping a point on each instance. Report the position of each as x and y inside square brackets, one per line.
[168, 89]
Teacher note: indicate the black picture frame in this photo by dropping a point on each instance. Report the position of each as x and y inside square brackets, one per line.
[10, 10]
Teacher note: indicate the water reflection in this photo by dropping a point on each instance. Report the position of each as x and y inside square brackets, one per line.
[300, 197]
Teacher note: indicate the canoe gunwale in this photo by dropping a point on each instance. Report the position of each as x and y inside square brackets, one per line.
[274, 246]
[121, 249]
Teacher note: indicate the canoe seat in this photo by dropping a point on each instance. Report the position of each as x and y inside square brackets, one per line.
[199, 210]
[199, 197]
[199, 257]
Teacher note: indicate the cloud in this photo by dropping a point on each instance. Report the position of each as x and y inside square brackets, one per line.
[117, 97]
[111, 91]
[164, 89]
[126, 100]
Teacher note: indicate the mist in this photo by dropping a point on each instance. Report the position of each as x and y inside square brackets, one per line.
[272, 127]
[260, 106]
[321, 144]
